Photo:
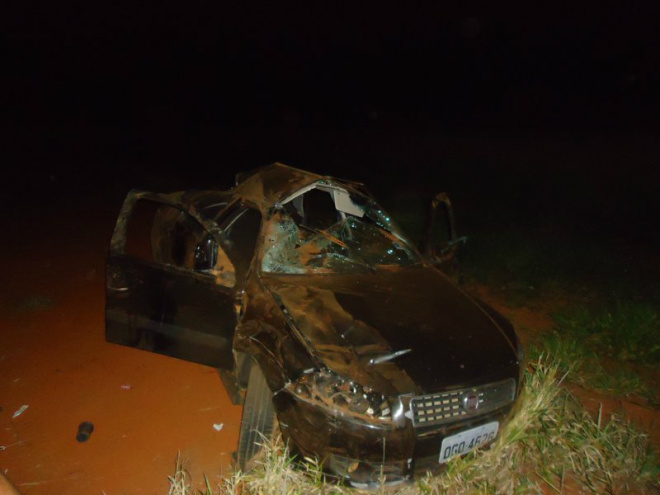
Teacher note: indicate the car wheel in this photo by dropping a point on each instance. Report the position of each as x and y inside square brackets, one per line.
[258, 422]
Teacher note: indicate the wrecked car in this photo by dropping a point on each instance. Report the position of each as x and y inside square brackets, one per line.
[321, 317]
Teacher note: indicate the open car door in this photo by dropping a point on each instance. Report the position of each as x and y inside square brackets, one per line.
[170, 288]
[440, 243]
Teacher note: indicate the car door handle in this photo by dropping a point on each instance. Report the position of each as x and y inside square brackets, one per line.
[118, 280]
[118, 289]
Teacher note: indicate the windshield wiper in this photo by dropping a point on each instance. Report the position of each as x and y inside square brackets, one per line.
[388, 357]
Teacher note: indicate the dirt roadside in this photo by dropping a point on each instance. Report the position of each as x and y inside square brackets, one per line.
[54, 359]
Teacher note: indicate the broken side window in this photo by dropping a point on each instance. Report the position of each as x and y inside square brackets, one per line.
[162, 234]
[179, 239]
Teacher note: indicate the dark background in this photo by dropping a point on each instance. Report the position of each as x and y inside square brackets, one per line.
[527, 113]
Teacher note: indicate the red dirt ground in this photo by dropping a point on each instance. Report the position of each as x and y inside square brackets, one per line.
[53, 358]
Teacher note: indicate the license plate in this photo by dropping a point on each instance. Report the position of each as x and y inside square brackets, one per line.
[467, 440]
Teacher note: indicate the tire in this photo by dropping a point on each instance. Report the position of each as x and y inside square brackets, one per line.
[258, 422]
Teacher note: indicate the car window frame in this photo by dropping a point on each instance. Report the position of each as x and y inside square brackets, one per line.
[233, 211]
[120, 233]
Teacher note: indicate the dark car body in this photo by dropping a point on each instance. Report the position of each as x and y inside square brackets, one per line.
[373, 360]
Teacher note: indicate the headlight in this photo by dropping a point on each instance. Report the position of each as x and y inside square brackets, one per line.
[327, 388]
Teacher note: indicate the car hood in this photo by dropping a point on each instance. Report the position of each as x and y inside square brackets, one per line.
[356, 324]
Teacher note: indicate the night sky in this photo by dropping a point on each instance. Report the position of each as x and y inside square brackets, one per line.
[328, 64]
[174, 95]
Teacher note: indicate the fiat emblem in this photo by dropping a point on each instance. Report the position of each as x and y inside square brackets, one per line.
[471, 402]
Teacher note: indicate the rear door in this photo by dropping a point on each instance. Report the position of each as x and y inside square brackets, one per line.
[170, 285]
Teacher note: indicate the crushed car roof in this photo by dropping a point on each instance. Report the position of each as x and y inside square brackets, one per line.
[263, 187]
[271, 184]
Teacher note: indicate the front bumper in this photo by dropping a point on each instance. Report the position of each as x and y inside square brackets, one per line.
[366, 453]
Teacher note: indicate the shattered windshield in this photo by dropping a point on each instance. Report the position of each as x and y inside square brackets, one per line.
[327, 229]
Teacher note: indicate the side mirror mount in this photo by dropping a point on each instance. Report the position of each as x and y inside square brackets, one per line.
[212, 261]
[440, 242]
[206, 254]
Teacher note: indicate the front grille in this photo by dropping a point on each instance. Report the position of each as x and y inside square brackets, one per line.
[454, 405]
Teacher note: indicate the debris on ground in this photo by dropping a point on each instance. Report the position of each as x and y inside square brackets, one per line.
[20, 411]
[85, 430]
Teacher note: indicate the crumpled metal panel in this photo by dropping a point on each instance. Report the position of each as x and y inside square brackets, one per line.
[274, 183]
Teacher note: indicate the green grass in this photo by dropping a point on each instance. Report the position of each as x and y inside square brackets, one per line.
[582, 365]
[550, 442]
[602, 345]
[528, 254]
[537, 260]
[623, 330]
[612, 326]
